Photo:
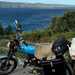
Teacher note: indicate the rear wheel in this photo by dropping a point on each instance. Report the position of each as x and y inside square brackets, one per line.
[73, 66]
[69, 70]
[7, 65]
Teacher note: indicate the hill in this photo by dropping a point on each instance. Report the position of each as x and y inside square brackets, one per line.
[32, 5]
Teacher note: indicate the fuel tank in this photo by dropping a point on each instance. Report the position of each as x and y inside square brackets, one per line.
[27, 49]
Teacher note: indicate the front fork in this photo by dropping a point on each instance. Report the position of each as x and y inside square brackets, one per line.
[9, 56]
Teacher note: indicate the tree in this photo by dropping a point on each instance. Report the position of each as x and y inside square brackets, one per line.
[9, 29]
[65, 23]
[1, 30]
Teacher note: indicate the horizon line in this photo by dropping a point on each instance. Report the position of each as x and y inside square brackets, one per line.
[36, 3]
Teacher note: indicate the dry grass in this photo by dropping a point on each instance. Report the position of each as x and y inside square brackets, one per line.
[44, 50]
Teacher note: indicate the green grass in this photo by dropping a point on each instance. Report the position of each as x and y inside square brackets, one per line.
[3, 50]
[68, 35]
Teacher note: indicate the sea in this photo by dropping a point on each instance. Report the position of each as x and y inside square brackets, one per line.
[31, 19]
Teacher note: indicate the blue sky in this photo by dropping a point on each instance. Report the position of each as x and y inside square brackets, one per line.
[67, 2]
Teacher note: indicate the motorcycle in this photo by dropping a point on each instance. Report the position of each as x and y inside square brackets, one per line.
[9, 63]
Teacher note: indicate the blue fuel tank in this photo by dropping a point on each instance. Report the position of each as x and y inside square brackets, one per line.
[27, 49]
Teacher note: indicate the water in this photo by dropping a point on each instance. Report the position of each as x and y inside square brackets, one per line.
[30, 18]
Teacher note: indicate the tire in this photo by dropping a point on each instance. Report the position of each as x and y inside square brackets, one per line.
[10, 66]
[73, 66]
[69, 69]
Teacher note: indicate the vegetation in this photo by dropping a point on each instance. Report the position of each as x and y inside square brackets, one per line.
[1, 29]
[65, 23]
[9, 30]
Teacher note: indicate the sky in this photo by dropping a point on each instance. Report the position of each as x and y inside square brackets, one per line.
[67, 2]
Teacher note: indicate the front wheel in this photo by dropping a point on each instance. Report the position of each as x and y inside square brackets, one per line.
[7, 65]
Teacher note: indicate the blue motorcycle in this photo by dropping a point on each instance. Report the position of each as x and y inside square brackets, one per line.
[8, 64]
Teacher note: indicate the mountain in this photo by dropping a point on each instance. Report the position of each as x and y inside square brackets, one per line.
[32, 5]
